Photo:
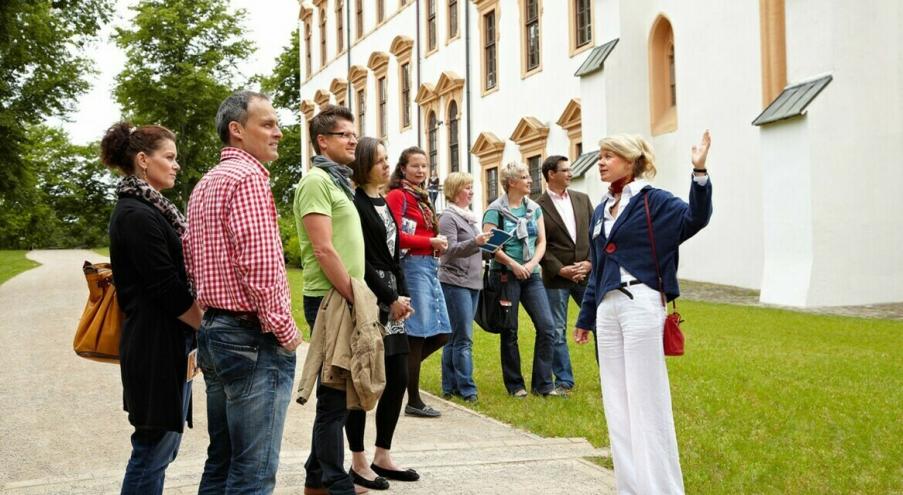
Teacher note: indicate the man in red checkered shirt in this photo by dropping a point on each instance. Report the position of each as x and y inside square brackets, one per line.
[247, 339]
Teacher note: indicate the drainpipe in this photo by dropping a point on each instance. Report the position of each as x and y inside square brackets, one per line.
[467, 80]
[419, 118]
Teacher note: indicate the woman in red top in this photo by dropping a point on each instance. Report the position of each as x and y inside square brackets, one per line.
[428, 328]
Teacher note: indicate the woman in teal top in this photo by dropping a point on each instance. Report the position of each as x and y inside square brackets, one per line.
[516, 266]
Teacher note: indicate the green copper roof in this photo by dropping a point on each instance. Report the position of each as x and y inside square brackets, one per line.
[596, 58]
[583, 163]
[792, 101]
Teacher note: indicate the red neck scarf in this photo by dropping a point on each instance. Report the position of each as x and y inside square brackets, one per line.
[617, 186]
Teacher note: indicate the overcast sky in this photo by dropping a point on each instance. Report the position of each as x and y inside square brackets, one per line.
[269, 23]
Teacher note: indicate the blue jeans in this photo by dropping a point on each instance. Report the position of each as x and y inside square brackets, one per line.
[249, 385]
[561, 359]
[152, 451]
[531, 293]
[457, 355]
[325, 465]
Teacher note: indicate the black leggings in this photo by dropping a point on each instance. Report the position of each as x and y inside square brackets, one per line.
[421, 348]
[387, 410]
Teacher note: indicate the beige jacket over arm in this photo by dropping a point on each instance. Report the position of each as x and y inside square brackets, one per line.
[346, 349]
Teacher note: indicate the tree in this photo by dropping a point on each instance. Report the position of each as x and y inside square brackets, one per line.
[181, 58]
[42, 70]
[284, 86]
[71, 201]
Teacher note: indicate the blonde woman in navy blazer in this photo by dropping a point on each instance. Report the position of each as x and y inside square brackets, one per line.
[623, 303]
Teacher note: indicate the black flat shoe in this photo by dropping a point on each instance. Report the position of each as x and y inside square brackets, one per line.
[421, 412]
[406, 475]
[379, 483]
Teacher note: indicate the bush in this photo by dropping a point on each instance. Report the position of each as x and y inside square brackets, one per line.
[290, 246]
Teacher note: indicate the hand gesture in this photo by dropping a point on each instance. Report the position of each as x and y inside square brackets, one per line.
[520, 271]
[482, 239]
[398, 310]
[701, 151]
[581, 336]
[439, 244]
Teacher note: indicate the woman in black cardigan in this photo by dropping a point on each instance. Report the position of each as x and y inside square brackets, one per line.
[161, 315]
[385, 278]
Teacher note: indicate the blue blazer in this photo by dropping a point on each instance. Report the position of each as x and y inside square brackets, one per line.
[627, 245]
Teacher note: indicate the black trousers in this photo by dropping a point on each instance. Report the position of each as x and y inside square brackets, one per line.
[326, 464]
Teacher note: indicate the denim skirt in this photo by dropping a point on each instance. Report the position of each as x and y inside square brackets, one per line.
[430, 316]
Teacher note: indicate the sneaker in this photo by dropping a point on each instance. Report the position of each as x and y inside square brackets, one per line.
[556, 392]
[471, 399]
[520, 394]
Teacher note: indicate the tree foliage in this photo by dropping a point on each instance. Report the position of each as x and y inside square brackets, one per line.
[42, 70]
[181, 59]
[71, 201]
[284, 86]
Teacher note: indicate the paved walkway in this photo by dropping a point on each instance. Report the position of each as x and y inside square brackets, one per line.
[702, 291]
[62, 429]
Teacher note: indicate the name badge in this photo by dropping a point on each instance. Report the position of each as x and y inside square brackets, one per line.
[597, 229]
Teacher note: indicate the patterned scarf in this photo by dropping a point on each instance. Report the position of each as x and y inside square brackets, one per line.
[131, 185]
[340, 174]
[423, 201]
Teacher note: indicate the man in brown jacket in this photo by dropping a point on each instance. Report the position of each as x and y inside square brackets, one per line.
[565, 265]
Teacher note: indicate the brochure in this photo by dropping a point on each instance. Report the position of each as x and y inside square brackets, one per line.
[498, 239]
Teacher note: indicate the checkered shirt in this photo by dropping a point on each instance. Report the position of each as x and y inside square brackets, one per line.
[233, 252]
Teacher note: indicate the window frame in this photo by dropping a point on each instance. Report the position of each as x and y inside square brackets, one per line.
[382, 90]
[454, 136]
[574, 9]
[432, 28]
[530, 26]
[340, 26]
[323, 47]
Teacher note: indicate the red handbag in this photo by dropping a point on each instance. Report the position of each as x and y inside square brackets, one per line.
[672, 336]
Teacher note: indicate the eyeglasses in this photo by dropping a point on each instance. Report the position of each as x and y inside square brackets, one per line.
[346, 135]
[524, 177]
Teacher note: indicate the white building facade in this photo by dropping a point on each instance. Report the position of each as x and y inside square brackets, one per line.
[806, 202]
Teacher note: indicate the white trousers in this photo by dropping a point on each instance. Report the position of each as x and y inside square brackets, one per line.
[636, 394]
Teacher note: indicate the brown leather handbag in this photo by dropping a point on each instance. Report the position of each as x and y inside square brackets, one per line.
[100, 327]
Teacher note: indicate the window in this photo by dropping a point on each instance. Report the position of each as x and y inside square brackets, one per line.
[361, 111]
[452, 19]
[322, 37]
[492, 184]
[359, 18]
[534, 164]
[578, 148]
[430, 25]
[662, 77]
[531, 34]
[339, 26]
[380, 10]
[308, 65]
[310, 144]
[406, 95]
[433, 129]
[453, 136]
[381, 91]
[584, 22]
[489, 53]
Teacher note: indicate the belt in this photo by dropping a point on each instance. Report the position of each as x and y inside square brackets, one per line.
[624, 285]
[247, 316]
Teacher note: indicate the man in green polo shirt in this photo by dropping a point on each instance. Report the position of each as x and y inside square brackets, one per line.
[332, 251]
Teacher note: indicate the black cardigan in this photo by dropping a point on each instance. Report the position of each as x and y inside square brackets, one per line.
[376, 252]
[152, 289]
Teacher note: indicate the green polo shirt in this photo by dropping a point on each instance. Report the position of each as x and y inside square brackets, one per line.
[318, 194]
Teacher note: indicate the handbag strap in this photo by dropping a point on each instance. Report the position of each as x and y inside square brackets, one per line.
[658, 271]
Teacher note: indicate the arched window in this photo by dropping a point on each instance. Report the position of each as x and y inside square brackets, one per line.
[662, 77]
[433, 126]
[453, 136]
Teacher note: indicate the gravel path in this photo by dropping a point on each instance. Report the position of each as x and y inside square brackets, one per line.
[63, 429]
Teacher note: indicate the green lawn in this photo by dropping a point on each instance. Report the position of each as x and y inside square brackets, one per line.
[13, 263]
[103, 251]
[765, 401]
